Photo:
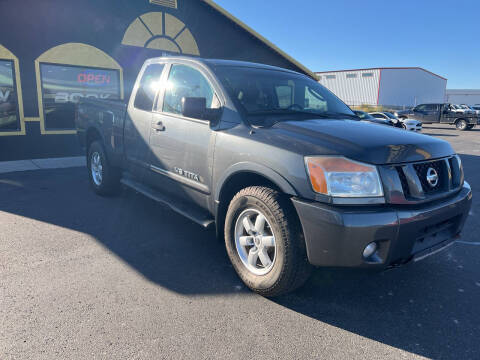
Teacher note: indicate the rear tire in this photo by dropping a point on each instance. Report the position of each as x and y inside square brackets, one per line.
[104, 178]
[268, 254]
[470, 127]
[461, 125]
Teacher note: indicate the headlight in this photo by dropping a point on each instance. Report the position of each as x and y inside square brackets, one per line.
[341, 177]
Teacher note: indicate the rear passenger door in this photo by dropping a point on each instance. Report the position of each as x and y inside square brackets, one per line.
[181, 147]
[139, 118]
[431, 114]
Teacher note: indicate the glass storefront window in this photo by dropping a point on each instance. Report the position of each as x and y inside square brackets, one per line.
[64, 85]
[9, 119]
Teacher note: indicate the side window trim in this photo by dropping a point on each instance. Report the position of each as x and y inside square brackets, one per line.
[158, 102]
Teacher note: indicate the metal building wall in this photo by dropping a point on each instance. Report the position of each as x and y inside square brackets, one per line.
[352, 86]
[410, 87]
[463, 96]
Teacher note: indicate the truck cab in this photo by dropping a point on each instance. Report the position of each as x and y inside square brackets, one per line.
[283, 170]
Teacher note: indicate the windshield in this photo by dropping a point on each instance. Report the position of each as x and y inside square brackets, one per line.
[263, 92]
[390, 115]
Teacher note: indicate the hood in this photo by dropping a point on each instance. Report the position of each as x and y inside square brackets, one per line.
[356, 140]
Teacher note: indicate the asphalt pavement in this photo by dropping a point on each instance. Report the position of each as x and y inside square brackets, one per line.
[85, 277]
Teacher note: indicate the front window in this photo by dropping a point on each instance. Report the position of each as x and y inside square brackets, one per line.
[260, 93]
[185, 81]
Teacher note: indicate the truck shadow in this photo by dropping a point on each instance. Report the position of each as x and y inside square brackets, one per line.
[418, 308]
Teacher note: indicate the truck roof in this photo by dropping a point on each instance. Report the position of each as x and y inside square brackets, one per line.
[222, 62]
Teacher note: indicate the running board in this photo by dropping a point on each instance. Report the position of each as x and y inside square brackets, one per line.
[197, 216]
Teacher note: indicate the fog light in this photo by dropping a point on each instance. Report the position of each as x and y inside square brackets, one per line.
[370, 250]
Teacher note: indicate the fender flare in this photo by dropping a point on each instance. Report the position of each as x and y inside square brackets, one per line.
[262, 170]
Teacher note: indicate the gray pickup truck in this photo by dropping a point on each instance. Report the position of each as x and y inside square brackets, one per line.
[287, 174]
[443, 114]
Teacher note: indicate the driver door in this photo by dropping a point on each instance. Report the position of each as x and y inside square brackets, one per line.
[182, 147]
[418, 113]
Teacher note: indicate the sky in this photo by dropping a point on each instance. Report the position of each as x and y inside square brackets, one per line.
[438, 35]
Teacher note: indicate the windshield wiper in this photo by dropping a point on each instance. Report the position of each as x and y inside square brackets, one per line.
[279, 112]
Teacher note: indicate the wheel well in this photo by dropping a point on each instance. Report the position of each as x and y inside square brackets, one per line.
[232, 186]
[92, 135]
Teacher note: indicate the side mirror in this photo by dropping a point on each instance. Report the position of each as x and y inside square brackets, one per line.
[194, 107]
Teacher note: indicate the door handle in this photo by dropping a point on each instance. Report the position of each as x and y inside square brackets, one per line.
[159, 126]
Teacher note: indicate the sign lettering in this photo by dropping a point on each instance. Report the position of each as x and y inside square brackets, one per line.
[90, 78]
[63, 97]
[4, 95]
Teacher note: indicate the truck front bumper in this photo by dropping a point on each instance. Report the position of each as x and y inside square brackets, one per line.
[337, 236]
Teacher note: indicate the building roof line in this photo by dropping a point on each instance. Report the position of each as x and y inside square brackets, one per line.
[384, 68]
[259, 37]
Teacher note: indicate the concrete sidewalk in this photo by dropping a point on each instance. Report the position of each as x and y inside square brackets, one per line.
[40, 164]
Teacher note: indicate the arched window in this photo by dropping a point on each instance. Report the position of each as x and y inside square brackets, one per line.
[68, 73]
[161, 31]
[12, 121]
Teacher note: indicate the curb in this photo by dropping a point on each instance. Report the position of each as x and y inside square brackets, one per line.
[41, 164]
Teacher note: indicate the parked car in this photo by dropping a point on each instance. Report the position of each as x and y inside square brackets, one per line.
[476, 108]
[407, 124]
[364, 116]
[465, 108]
[441, 113]
[288, 184]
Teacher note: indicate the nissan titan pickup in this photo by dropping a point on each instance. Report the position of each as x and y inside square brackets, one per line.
[285, 172]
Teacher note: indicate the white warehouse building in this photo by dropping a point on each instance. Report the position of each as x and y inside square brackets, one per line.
[463, 96]
[401, 86]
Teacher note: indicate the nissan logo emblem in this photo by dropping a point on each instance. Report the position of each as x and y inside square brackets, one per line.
[432, 177]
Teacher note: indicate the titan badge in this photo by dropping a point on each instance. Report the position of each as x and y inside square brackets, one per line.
[187, 174]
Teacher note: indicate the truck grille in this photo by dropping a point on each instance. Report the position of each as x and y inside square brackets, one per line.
[422, 173]
[424, 180]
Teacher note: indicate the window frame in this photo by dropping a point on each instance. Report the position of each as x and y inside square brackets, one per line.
[116, 71]
[368, 75]
[158, 105]
[15, 87]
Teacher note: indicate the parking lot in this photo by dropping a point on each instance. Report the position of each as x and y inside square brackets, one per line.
[125, 278]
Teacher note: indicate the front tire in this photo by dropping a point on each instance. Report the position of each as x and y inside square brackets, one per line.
[461, 125]
[265, 243]
[104, 178]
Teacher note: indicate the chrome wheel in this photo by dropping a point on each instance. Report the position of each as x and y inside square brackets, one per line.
[255, 242]
[96, 168]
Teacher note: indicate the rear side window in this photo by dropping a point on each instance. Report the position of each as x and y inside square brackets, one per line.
[149, 86]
